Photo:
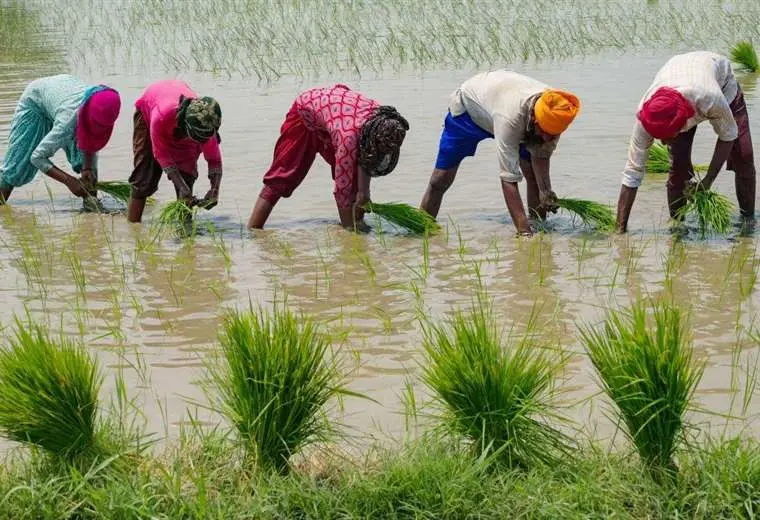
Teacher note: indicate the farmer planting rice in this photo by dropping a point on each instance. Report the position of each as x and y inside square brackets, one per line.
[689, 89]
[526, 117]
[59, 113]
[359, 139]
[172, 127]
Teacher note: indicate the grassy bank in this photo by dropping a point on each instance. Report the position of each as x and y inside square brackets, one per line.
[200, 477]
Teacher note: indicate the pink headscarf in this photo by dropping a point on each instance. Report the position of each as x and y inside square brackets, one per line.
[665, 113]
[96, 119]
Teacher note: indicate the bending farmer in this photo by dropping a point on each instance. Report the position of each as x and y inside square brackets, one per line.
[688, 89]
[526, 117]
[172, 127]
[54, 113]
[358, 138]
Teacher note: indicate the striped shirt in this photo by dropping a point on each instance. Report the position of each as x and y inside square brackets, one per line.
[501, 103]
[707, 81]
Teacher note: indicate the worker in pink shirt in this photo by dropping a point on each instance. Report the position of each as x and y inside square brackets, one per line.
[172, 127]
[355, 135]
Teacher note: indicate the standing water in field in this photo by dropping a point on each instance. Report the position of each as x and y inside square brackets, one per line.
[126, 292]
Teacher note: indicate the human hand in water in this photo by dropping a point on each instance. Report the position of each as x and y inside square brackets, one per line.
[548, 201]
[89, 181]
[210, 200]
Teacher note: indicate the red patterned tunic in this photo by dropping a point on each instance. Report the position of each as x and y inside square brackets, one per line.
[327, 121]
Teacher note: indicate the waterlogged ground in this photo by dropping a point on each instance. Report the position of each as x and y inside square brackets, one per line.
[152, 307]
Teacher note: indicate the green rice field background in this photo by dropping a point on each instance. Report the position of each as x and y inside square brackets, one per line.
[152, 307]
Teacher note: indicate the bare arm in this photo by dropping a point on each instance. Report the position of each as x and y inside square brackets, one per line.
[720, 156]
[625, 203]
[541, 170]
[88, 175]
[515, 206]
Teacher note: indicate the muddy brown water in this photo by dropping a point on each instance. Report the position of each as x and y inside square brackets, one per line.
[163, 303]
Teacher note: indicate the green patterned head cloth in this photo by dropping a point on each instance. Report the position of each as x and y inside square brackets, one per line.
[199, 117]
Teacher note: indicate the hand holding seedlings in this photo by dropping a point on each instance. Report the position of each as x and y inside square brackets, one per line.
[693, 186]
[548, 201]
[89, 180]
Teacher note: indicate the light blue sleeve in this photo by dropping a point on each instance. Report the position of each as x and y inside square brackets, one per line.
[59, 137]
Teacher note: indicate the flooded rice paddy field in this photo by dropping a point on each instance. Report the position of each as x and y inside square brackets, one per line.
[153, 307]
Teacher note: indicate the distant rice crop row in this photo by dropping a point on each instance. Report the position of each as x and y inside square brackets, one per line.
[269, 39]
[22, 38]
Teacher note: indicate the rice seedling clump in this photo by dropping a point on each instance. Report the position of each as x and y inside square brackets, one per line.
[48, 393]
[712, 210]
[593, 214]
[176, 217]
[645, 365]
[404, 216]
[495, 394]
[659, 159]
[273, 380]
[743, 53]
[120, 190]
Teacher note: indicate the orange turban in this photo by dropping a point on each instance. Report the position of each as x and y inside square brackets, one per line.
[555, 110]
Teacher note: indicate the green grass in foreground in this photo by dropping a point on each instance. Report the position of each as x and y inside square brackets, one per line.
[200, 477]
[49, 393]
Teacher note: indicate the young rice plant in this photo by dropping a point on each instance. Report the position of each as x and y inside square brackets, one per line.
[273, 380]
[644, 364]
[743, 54]
[593, 214]
[404, 216]
[495, 394]
[49, 393]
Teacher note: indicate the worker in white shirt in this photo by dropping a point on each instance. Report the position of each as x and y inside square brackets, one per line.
[526, 117]
[688, 89]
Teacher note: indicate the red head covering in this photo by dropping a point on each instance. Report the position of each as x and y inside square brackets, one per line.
[665, 113]
[96, 119]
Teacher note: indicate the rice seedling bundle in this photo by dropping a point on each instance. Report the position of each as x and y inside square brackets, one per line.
[273, 381]
[743, 53]
[495, 395]
[177, 217]
[712, 210]
[49, 393]
[119, 190]
[646, 368]
[404, 216]
[593, 214]
[659, 159]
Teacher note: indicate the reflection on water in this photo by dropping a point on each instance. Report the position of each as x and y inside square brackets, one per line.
[100, 277]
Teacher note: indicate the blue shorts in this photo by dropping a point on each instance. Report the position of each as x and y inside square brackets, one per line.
[460, 138]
